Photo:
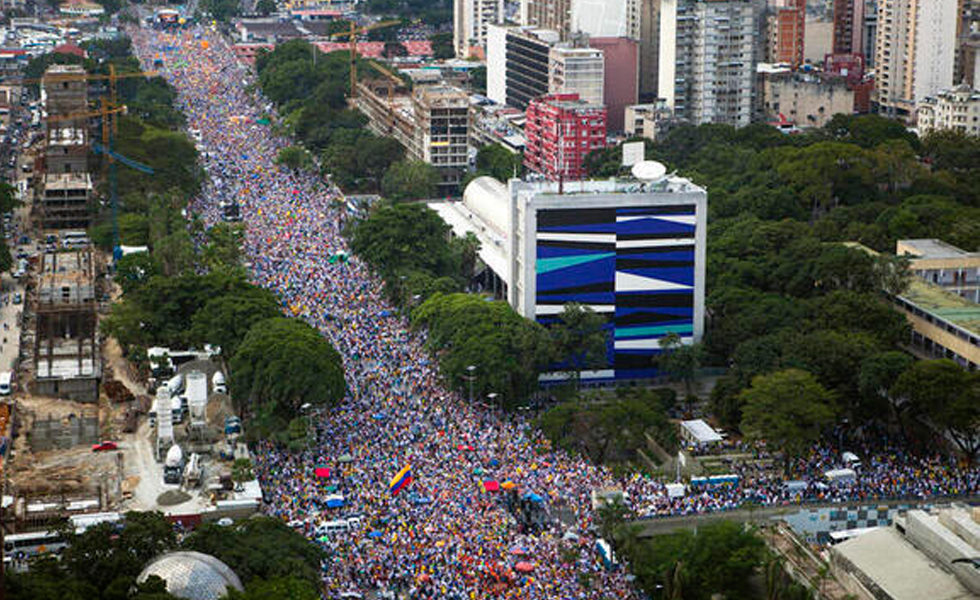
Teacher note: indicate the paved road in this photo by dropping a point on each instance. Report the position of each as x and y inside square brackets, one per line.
[659, 526]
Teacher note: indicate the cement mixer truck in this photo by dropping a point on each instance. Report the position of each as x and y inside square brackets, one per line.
[173, 467]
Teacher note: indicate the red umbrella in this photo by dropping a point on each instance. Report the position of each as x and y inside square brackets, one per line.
[524, 567]
[464, 447]
[491, 486]
[518, 551]
[321, 471]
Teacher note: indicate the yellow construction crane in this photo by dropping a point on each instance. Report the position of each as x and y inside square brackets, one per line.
[112, 78]
[352, 35]
[105, 111]
[394, 80]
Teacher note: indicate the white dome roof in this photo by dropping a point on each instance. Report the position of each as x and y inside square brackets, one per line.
[192, 575]
[489, 199]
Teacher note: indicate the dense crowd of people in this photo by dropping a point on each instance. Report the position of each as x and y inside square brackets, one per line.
[444, 535]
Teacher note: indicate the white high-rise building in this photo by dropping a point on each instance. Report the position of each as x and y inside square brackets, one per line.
[577, 70]
[915, 52]
[707, 58]
[470, 21]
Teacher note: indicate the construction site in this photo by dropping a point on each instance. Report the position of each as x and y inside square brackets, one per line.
[82, 432]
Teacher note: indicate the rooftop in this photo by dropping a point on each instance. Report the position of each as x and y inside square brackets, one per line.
[67, 181]
[933, 248]
[898, 569]
[946, 305]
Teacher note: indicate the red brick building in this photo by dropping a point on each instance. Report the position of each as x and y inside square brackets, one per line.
[560, 130]
[790, 23]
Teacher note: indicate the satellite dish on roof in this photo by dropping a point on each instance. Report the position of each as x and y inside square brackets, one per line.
[649, 171]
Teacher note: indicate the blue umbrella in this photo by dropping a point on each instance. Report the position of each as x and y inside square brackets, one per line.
[375, 534]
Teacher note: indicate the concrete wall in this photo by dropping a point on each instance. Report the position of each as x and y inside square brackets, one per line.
[47, 434]
[79, 390]
[962, 524]
[942, 545]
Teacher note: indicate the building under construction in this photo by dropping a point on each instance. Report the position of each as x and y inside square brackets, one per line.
[432, 124]
[64, 91]
[64, 190]
[67, 362]
[63, 201]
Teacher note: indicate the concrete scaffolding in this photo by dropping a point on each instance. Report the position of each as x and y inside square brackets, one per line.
[67, 362]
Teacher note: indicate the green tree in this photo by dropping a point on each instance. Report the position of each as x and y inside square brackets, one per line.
[265, 7]
[679, 361]
[225, 320]
[877, 375]
[133, 270]
[607, 430]
[789, 409]
[223, 250]
[403, 237]
[247, 545]
[8, 201]
[284, 363]
[410, 180]
[294, 157]
[442, 45]
[107, 559]
[948, 397]
[580, 338]
[720, 558]
[498, 162]
[281, 588]
[507, 350]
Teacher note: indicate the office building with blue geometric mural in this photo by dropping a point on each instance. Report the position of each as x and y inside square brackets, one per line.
[633, 252]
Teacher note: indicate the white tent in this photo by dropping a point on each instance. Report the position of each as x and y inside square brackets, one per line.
[696, 431]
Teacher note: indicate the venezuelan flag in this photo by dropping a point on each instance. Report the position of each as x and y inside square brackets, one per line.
[401, 480]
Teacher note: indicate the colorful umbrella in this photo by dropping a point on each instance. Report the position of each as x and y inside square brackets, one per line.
[524, 567]
[321, 471]
[491, 486]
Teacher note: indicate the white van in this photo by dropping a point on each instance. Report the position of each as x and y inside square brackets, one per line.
[6, 383]
[332, 528]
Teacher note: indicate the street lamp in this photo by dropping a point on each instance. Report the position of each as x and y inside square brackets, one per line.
[471, 369]
[492, 397]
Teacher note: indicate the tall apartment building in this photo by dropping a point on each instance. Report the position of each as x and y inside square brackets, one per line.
[577, 71]
[708, 53]
[470, 21]
[547, 14]
[849, 26]
[915, 52]
[787, 26]
[957, 108]
[607, 18]
[621, 83]
[561, 130]
[442, 131]
[518, 63]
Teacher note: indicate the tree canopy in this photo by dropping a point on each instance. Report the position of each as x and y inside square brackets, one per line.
[506, 350]
[608, 429]
[283, 363]
[788, 409]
